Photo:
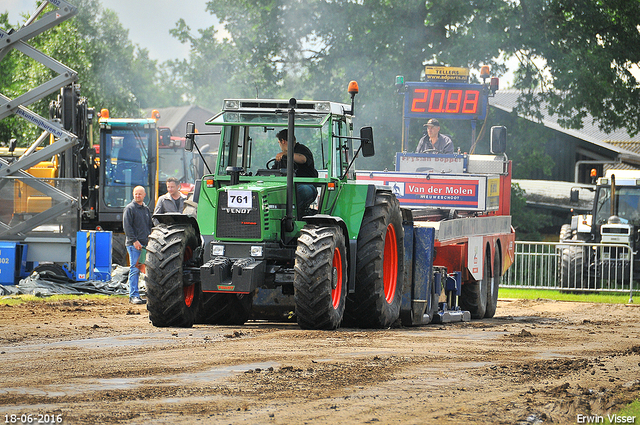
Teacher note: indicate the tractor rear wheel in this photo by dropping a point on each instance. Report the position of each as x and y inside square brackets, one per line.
[565, 232]
[573, 267]
[172, 300]
[320, 278]
[379, 266]
[494, 286]
[473, 296]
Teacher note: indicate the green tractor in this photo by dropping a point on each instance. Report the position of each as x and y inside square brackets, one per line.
[253, 251]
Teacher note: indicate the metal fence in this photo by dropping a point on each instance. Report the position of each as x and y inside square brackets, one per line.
[574, 266]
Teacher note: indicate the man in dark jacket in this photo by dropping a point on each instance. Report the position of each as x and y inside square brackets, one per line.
[136, 220]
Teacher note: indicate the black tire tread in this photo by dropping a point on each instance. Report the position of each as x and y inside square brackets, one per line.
[163, 277]
[368, 307]
[314, 275]
[473, 296]
[492, 291]
[119, 254]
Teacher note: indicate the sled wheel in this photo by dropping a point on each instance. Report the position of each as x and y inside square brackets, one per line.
[473, 296]
[494, 285]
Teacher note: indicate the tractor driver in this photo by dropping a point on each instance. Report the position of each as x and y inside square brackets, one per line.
[433, 140]
[303, 166]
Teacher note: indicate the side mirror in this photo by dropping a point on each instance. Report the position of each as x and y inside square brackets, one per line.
[190, 136]
[366, 134]
[575, 195]
[498, 139]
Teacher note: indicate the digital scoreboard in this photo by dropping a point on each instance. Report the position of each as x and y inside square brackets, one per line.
[445, 101]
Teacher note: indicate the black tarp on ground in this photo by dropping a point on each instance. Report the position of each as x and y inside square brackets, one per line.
[46, 284]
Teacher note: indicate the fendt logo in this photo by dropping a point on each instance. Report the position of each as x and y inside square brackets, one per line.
[237, 210]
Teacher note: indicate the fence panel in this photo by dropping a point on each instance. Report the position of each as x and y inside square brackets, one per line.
[572, 265]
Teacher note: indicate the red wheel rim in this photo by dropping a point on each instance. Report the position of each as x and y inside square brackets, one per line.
[188, 253]
[189, 293]
[336, 294]
[390, 265]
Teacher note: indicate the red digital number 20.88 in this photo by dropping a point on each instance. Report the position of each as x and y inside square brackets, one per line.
[443, 101]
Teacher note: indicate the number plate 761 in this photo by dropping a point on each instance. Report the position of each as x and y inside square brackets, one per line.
[239, 199]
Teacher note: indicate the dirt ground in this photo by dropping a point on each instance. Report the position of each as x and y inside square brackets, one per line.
[101, 361]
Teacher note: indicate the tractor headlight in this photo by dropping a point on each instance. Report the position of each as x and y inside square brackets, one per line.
[217, 250]
[256, 251]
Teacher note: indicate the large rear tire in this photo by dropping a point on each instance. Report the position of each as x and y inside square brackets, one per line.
[320, 278]
[172, 301]
[473, 296]
[379, 266]
[573, 267]
[494, 285]
[565, 232]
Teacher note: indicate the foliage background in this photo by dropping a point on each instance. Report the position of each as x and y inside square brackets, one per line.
[574, 54]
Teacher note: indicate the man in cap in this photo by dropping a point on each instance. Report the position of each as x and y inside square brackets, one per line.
[433, 140]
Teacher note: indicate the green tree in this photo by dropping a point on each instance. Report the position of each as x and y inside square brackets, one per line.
[112, 71]
[313, 48]
[576, 55]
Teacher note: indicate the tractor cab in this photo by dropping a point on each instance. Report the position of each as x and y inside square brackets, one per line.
[128, 150]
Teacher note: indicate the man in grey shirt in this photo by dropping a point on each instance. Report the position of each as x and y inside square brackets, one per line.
[433, 140]
[172, 201]
[136, 220]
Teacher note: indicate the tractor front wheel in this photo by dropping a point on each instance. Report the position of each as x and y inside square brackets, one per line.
[172, 300]
[320, 278]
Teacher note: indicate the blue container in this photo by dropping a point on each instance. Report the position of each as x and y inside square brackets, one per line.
[13, 261]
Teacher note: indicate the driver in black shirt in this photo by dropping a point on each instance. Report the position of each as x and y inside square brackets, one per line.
[303, 166]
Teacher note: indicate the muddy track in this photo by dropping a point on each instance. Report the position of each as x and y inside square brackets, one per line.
[101, 361]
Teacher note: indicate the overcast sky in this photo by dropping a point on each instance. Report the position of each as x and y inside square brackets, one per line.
[148, 21]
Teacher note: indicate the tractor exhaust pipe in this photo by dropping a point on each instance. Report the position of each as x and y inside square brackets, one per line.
[288, 219]
[614, 201]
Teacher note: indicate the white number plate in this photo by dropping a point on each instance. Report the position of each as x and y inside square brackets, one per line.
[239, 199]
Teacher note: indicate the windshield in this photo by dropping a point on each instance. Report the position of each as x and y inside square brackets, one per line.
[252, 147]
[176, 162]
[627, 204]
[126, 164]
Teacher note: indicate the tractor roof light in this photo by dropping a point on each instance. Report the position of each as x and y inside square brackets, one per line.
[231, 104]
[353, 88]
[323, 107]
[155, 114]
[104, 113]
[399, 84]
